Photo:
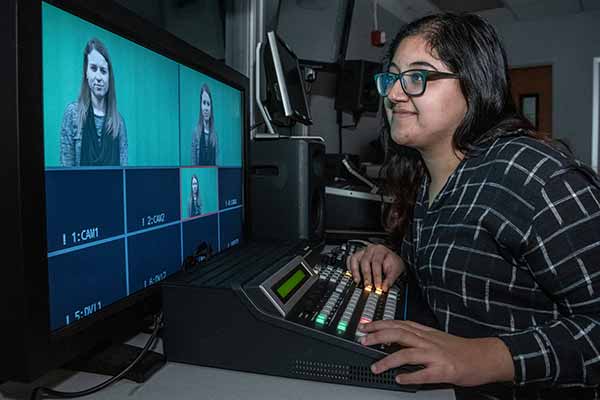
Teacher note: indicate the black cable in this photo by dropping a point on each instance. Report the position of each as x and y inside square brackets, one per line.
[308, 88]
[345, 34]
[276, 27]
[341, 57]
[44, 392]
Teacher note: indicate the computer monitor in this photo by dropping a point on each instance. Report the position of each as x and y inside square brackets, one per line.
[123, 152]
[286, 98]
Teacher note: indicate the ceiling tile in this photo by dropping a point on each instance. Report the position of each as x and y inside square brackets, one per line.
[533, 9]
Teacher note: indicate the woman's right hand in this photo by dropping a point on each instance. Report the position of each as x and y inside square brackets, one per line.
[377, 265]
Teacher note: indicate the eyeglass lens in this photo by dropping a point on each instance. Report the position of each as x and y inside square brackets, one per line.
[412, 82]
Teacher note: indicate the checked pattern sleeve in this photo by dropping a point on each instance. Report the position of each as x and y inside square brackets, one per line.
[562, 250]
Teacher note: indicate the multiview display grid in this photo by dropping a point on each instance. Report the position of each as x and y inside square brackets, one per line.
[143, 163]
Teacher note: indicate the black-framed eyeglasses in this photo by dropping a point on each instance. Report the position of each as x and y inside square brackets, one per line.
[413, 81]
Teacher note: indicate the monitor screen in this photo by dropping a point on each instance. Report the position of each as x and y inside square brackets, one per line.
[143, 164]
[286, 97]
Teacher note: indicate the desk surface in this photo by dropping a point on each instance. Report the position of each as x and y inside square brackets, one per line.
[182, 381]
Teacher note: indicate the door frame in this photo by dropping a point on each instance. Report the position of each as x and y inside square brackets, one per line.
[549, 62]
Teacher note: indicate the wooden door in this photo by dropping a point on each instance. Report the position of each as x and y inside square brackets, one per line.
[532, 92]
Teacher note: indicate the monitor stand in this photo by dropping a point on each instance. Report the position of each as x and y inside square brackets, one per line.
[114, 359]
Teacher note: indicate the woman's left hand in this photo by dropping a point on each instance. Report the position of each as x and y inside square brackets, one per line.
[446, 358]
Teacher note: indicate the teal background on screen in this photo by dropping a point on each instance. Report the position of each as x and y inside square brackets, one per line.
[227, 111]
[146, 87]
[207, 178]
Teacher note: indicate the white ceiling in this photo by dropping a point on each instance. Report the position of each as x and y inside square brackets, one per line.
[505, 10]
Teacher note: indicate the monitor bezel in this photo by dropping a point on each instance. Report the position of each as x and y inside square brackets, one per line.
[37, 348]
[274, 40]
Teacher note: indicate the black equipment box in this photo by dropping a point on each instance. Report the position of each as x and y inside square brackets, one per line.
[352, 208]
[274, 310]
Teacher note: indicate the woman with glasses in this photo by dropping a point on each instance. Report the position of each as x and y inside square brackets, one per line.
[500, 228]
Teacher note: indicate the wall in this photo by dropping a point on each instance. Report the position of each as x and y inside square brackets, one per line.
[312, 28]
[569, 43]
[355, 140]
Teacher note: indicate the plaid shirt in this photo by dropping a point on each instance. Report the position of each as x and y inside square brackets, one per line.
[510, 248]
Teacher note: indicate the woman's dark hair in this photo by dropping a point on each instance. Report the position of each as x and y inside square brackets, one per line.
[469, 47]
[194, 201]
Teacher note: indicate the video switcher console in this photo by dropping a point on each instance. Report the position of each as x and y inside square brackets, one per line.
[287, 311]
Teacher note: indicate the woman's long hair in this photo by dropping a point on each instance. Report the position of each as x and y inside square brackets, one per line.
[470, 47]
[211, 120]
[191, 201]
[112, 121]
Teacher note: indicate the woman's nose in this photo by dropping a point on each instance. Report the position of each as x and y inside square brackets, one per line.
[396, 93]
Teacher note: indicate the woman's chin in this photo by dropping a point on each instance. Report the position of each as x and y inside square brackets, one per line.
[98, 95]
[403, 139]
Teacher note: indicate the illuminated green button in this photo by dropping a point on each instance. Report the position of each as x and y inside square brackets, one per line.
[342, 327]
[321, 318]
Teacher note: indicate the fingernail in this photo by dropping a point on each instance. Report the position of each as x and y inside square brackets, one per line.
[361, 327]
[363, 340]
[374, 368]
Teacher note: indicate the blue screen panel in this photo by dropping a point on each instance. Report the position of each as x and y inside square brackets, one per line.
[230, 187]
[152, 197]
[197, 231]
[231, 227]
[86, 280]
[153, 255]
[83, 206]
